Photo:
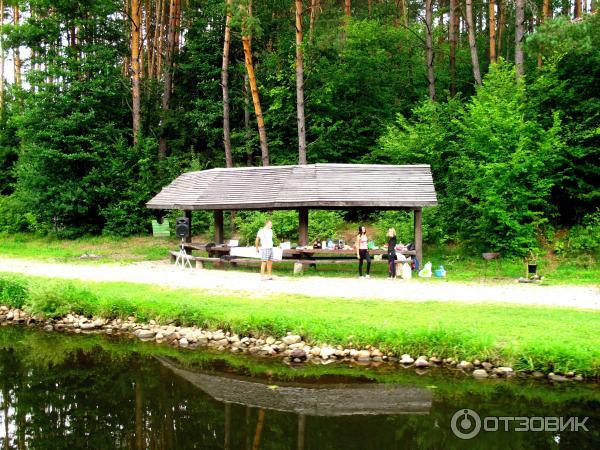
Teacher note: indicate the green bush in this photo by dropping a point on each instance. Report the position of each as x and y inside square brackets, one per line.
[434, 231]
[13, 292]
[15, 218]
[581, 238]
[58, 298]
[324, 224]
[321, 224]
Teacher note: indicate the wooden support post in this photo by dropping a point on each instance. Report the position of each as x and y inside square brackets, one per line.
[303, 227]
[418, 215]
[218, 227]
[301, 431]
[188, 215]
[226, 444]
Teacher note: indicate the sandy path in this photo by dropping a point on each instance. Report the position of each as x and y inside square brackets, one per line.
[221, 281]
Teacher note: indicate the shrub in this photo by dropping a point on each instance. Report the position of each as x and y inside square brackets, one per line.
[581, 238]
[321, 224]
[57, 299]
[14, 217]
[13, 292]
[434, 230]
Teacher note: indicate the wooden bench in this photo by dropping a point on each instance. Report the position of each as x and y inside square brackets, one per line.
[199, 260]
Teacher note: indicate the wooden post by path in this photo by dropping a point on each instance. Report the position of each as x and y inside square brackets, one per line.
[218, 227]
[303, 226]
[418, 215]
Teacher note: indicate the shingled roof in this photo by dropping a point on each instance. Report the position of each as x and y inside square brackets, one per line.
[313, 186]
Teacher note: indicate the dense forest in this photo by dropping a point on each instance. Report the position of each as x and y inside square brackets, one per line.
[103, 102]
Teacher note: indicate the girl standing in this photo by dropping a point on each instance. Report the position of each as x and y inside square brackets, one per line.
[362, 250]
[391, 234]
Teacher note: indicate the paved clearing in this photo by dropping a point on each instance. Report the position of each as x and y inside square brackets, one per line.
[250, 284]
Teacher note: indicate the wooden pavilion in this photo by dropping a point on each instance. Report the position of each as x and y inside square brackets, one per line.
[302, 187]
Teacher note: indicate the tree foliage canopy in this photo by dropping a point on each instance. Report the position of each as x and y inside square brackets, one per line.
[511, 159]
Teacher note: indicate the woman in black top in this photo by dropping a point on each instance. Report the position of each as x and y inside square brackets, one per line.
[391, 234]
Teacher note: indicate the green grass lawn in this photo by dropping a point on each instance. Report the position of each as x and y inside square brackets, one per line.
[548, 339]
[107, 248]
[577, 269]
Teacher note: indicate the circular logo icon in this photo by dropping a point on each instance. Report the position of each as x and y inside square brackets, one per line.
[465, 424]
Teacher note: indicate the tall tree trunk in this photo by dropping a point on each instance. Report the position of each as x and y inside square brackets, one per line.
[168, 87]
[405, 12]
[314, 4]
[492, 28]
[136, 19]
[452, 39]
[300, 86]
[161, 39]
[246, 88]
[155, 46]
[546, 11]
[1, 60]
[429, 43]
[577, 9]
[225, 85]
[472, 43]
[501, 25]
[519, 36]
[147, 41]
[16, 51]
[347, 8]
[262, 134]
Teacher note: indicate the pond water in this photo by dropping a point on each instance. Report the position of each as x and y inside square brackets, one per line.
[74, 391]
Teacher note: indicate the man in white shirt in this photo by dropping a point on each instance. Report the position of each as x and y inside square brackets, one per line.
[264, 238]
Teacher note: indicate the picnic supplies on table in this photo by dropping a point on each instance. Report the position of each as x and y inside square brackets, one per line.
[250, 252]
[426, 271]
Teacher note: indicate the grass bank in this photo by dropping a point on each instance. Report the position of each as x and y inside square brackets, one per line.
[527, 338]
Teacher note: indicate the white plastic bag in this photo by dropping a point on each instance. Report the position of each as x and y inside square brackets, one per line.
[425, 272]
[406, 271]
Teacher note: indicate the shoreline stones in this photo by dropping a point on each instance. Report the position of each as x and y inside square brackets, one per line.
[421, 362]
[291, 348]
[406, 359]
[480, 373]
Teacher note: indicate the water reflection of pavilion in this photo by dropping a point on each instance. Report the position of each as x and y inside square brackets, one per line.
[303, 399]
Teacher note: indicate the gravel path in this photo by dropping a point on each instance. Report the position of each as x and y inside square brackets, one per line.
[250, 284]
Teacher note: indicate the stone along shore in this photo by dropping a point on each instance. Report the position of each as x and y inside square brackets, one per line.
[291, 348]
